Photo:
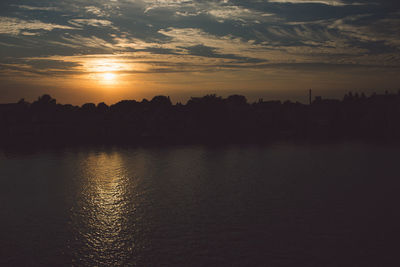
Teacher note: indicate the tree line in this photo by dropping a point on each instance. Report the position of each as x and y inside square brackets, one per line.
[210, 118]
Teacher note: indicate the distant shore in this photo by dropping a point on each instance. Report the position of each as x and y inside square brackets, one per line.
[205, 120]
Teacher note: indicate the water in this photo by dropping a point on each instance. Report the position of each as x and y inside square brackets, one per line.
[275, 205]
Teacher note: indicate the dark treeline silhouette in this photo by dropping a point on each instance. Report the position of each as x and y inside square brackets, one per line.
[202, 119]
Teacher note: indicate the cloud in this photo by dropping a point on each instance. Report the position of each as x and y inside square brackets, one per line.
[89, 42]
[16, 26]
[219, 10]
[151, 4]
[380, 30]
[323, 2]
[185, 37]
[92, 22]
[203, 35]
[231, 12]
[38, 8]
[96, 11]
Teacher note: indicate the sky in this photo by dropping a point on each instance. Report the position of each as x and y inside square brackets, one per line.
[94, 51]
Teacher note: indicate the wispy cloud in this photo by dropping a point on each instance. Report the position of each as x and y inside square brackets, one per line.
[92, 22]
[232, 12]
[149, 36]
[151, 4]
[40, 8]
[88, 42]
[324, 2]
[219, 10]
[16, 26]
[96, 11]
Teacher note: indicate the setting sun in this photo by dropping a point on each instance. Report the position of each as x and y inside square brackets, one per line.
[108, 76]
[105, 70]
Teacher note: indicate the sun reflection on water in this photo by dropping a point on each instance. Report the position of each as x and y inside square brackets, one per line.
[100, 217]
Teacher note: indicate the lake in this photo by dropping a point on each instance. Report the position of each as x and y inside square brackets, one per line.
[241, 205]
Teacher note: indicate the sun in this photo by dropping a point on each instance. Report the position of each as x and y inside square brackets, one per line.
[109, 76]
[106, 71]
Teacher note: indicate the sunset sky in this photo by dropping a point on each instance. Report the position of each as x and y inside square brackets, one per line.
[94, 51]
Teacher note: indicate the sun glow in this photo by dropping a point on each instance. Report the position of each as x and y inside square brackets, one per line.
[109, 71]
[109, 76]
[105, 70]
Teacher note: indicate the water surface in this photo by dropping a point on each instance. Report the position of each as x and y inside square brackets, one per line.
[272, 205]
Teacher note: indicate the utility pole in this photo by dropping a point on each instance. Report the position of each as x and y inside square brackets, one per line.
[309, 97]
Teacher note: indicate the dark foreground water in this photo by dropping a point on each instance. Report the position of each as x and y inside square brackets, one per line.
[276, 205]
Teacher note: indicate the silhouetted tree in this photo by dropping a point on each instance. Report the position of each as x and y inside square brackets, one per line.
[160, 101]
[45, 100]
[237, 100]
[89, 107]
[206, 118]
[102, 107]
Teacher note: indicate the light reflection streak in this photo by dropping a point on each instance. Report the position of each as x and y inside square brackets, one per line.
[100, 218]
